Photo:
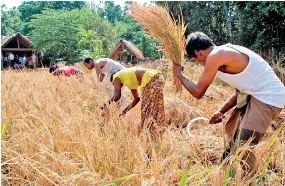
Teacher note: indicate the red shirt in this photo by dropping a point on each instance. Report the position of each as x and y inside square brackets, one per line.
[69, 70]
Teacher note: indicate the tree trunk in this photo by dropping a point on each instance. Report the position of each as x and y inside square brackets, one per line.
[228, 22]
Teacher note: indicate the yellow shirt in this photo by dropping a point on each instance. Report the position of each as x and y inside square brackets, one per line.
[129, 79]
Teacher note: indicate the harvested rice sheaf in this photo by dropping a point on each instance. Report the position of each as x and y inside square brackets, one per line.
[162, 26]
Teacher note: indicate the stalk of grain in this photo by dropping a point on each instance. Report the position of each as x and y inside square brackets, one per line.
[162, 26]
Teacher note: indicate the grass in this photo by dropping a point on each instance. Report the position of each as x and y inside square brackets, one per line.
[53, 133]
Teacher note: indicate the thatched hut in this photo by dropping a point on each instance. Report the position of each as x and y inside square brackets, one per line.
[17, 44]
[127, 52]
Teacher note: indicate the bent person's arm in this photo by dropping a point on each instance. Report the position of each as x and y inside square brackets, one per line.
[117, 89]
[56, 72]
[99, 73]
[78, 72]
[198, 90]
[230, 103]
[117, 95]
[218, 116]
[134, 102]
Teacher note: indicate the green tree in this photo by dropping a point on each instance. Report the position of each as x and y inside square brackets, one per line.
[134, 33]
[257, 25]
[202, 16]
[112, 12]
[10, 21]
[127, 29]
[30, 8]
[67, 5]
[57, 31]
[266, 26]
[90, 42]
[148, 46]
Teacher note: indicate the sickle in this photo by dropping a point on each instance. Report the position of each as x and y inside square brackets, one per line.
[191, 123]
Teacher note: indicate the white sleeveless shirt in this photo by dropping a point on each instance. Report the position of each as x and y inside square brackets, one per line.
[257, 79]
[110, 67]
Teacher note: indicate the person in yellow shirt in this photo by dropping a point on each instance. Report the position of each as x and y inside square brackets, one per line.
[151, 83]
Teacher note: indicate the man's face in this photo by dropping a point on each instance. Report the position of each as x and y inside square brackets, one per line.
[200, 57]
[89, 65]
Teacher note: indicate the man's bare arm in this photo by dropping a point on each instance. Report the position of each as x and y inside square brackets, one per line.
[232, 101]
[117, 95]
[117, 88]
[198, 90]
[218, 116]
[99, 73]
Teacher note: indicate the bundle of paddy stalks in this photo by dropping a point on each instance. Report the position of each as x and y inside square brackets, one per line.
[162, 26]
[178, 112]
[207, 140]
[208, 148]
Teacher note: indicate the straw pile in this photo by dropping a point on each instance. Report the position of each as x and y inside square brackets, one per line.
[178, 112]
[165, 29]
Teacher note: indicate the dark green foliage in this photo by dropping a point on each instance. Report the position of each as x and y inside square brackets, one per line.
[10, 21]
[54, 25]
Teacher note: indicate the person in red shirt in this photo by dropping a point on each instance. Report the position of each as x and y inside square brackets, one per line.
[65, 70]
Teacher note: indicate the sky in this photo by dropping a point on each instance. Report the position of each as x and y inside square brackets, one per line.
[12, 3]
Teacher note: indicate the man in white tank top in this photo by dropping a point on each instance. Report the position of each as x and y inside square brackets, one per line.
[104, 67]
[259, 95]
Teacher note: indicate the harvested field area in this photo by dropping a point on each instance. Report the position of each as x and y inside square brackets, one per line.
[53, 133]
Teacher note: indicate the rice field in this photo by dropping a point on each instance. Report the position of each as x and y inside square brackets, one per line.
[53, 133]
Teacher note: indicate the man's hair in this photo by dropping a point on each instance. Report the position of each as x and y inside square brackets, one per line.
[197, 41]
[52, 69]
[88, 59]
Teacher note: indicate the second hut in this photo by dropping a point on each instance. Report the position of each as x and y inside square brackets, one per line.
[125, 51]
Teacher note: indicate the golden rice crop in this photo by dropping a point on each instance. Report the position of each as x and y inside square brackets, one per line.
[55, 135]
[162, 26]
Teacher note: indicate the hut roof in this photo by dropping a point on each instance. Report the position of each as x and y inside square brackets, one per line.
[130, 46]
[6, 39]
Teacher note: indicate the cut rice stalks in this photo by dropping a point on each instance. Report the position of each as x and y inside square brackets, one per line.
[162, 26]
